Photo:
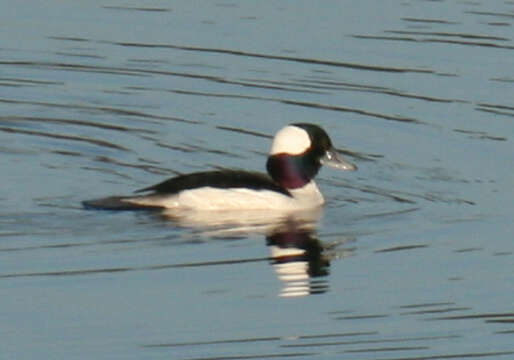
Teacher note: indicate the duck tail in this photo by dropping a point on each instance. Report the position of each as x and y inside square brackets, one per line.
[117, 203]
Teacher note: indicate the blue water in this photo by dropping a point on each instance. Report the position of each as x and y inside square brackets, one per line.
[412, 256]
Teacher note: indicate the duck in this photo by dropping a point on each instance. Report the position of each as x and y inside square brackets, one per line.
[297, 153]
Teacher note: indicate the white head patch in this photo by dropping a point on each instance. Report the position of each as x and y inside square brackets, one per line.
[290, 140]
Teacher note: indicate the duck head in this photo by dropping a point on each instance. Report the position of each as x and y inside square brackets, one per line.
[297, 153]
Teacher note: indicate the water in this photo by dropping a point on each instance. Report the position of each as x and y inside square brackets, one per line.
[412, 256]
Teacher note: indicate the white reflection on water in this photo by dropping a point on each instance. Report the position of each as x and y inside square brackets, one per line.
[242, 222]
[299, 258]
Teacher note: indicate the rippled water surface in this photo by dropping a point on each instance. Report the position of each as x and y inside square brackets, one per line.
[412, 257]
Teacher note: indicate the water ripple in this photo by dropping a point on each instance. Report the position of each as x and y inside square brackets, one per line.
[233, 52]
[436, 40]
[131, 8]
[101, 109]
[81, 272]
[43, 134]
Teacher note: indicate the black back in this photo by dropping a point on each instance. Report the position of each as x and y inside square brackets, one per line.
[222, 179]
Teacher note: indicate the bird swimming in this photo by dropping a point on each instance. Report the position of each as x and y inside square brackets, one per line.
[297, 153]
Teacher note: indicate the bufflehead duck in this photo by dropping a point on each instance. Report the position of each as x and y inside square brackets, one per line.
[297, 153]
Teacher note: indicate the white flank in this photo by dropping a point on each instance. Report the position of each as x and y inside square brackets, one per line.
[208, 198]
[290, 140]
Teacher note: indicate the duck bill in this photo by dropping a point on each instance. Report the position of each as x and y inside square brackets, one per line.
[333, 159]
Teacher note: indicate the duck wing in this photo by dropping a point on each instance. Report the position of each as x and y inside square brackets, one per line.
[222, 179]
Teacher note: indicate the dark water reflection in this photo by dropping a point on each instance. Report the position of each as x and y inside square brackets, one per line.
[412, 258]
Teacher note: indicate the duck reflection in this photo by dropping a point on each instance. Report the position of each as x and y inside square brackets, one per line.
[234, 223]
[300, 260]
